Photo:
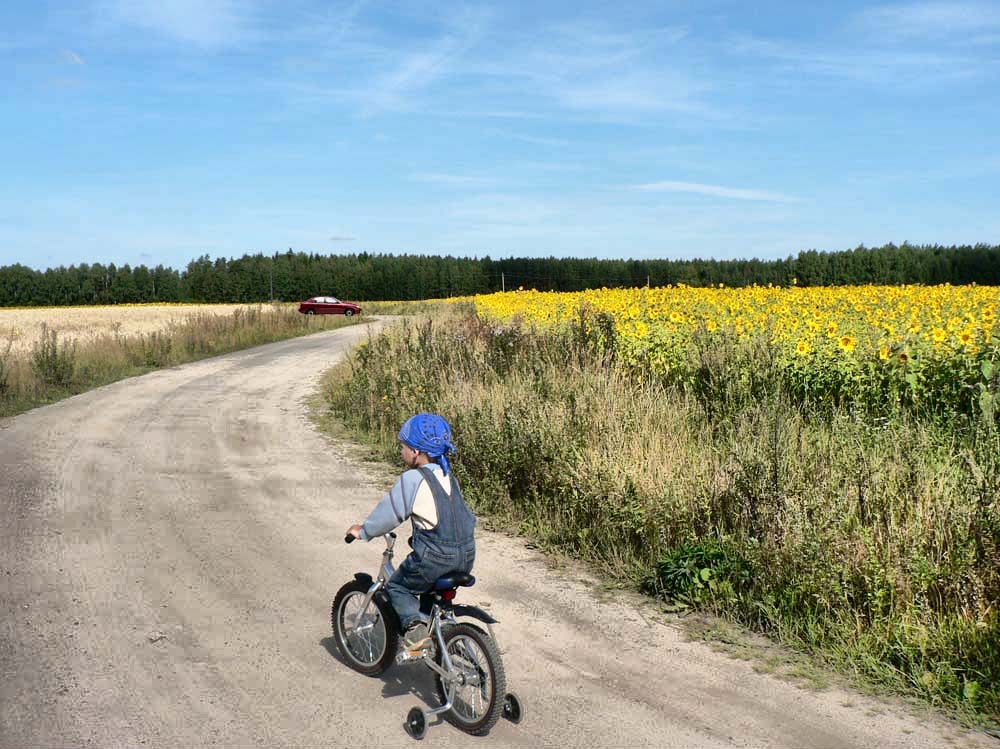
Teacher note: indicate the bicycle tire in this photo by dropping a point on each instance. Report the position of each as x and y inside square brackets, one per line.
[477, 704]
[372, 651]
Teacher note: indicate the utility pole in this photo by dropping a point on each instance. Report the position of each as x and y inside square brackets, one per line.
[503, 285]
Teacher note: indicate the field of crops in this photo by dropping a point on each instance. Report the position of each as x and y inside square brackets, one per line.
[908, 343]
[22, 326]
[48, 353]
[819, 464]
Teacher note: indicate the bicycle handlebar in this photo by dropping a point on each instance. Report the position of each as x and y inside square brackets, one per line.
[350, 538]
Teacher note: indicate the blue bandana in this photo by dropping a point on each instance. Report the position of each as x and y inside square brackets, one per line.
[431, 434]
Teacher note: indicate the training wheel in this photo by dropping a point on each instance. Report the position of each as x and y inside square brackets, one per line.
[512, 709]
[416, 723]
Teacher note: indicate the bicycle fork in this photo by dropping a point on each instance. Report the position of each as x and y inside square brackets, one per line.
[376, 586]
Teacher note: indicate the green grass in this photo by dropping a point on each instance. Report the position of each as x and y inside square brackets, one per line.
[872, 544]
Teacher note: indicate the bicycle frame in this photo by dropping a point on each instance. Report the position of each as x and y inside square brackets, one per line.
[448, 673]
[386, 570]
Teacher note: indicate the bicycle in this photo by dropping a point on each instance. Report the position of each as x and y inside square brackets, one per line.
[469, 672]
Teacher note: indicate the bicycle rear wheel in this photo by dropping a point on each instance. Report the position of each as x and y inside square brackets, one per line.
[478, 696]
[367, 642]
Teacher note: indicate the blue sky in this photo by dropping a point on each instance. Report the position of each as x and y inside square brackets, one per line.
[154, 131]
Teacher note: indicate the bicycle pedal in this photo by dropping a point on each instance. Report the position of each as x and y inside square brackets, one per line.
[412, 656]
[403, 657]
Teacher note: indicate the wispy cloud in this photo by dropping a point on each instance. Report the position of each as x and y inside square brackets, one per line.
[584, 67]
[457, 180]
[338, 238]
[536, 140]
[460, 60]
[72, 57]
[338, 23]
[509, 114]
[875, 63]
[718, 191]
[635, 92]
[210, 24]
[493, 209]
[969, 22]
[393, 90]
[418, 69]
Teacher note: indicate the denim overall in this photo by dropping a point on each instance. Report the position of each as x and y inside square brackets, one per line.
[449, 547]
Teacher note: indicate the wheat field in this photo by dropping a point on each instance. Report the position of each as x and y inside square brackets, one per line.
[22, 326]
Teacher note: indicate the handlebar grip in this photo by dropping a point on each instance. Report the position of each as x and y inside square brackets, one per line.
[349, 538]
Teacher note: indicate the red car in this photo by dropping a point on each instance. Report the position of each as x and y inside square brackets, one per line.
[328, 305]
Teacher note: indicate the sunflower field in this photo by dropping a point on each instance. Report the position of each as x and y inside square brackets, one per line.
[819, 464]
[934, 347]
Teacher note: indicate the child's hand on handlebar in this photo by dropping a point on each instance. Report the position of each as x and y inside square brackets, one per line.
[354, 530]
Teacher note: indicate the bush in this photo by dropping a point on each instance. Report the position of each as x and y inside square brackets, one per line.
[699, 572]
[5, 367]
[53, 363]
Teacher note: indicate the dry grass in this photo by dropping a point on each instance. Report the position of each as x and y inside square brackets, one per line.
[51, 353]
[22, 326]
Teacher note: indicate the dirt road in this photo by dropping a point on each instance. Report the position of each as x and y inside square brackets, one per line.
[169, 548]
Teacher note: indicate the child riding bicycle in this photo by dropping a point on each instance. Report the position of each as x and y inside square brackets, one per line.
[443, 525]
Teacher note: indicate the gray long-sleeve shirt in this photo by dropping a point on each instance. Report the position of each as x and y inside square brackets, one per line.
[410, 498]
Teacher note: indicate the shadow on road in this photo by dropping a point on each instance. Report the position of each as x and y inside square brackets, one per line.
[397, 680]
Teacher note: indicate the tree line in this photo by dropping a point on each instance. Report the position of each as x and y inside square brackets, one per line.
[291, 276]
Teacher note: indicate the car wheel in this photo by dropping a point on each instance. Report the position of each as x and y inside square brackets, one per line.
[310, 312]
[349, 312]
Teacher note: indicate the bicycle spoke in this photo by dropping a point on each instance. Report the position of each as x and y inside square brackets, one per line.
[473, 698]
[364, 638]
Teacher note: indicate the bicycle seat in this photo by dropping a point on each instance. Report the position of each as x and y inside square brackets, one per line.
[454, 580]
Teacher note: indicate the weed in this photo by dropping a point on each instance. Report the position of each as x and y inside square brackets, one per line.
[699, 572]
[53, 362]
[5, 367]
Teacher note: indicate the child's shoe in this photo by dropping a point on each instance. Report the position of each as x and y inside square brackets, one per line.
[416, 638]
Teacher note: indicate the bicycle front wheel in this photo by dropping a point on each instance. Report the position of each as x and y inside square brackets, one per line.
[368, 638]
[478, 692]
